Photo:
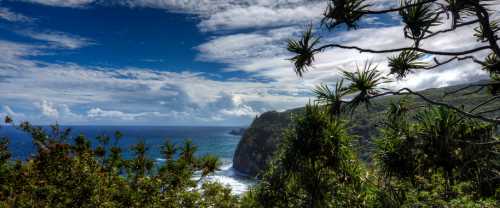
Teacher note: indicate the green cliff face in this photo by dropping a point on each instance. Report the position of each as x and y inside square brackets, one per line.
[261, 139]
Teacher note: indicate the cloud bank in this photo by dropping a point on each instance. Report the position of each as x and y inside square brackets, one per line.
[244, 35]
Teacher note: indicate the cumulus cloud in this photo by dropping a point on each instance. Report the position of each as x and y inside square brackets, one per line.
[47, 109]
[239, 14]
[72, 93]
[82, 94]
[260, 16]
[263, 53]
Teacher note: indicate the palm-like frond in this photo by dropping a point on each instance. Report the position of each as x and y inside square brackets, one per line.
[364, 82]
[169, 149]
[418, 18]
[331, 99]
[209, 164]
[304, 50]
[187, 151]
[403, 63]
[343, 12]
[494, 89]
[479, 32]
[492, 64]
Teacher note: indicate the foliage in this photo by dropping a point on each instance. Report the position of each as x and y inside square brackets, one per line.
[441, 158]
[407, 60]
[425, 157]
[314, 167]
[331, 99]
[418, 18]
[65, 173]
[364, 84]
[437, 156]
[343, 12]
[304, 50]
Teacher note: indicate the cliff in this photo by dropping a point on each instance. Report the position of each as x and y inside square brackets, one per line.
[261, 139]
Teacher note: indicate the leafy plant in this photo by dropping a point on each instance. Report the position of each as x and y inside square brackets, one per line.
[407, 60]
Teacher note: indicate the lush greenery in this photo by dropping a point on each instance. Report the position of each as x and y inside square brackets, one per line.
[64, 173]
[262, 138]
[436, 154]
[425, 157]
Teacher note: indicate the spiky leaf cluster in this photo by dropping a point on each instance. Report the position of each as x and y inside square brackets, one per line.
[403, 63]
[440, 139]
[418, 16]
[494, 88]
[316, 164]
[364, 82]
[304, 50]
[331, 99]
[481, 35]
[346, 12]
[492, 64]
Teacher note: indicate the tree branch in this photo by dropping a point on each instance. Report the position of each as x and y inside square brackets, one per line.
[440, 63]
[484, 103]
[484, 19]
[396, 9]
[406, 91]
[451, 29]
[469, 86]
[443, 53]
[489, 111]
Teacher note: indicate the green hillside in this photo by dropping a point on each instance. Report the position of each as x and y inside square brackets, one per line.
[262, 137]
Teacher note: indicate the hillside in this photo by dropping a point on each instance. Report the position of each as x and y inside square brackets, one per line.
[262, 137]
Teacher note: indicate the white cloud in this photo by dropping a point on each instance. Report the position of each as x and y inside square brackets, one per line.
[113, 114]
[261, 16]
[47, 109]
[81, 94]
[10, 16]
[71, 93]
[263, 53]
[238, 14]
[59, 39]
[62, 3]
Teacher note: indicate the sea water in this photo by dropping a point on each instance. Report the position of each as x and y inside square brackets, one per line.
[209, 140]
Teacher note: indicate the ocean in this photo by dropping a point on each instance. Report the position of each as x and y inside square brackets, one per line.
[209, 140]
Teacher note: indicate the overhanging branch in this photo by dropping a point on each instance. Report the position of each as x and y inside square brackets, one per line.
[406, 91]
[442, 53]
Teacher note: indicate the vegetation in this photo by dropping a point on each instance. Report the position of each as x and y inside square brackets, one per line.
[264, 135]
[435, 154]
[424, 157]
[63, 173]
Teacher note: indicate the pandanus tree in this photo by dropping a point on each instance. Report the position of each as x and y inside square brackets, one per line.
[416, 146]
[445, 138]
[422, 20]
[314, 167]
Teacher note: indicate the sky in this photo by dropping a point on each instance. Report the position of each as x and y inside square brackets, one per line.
[185, 62]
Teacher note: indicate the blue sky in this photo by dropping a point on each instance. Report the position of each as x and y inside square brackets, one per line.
[179, 62]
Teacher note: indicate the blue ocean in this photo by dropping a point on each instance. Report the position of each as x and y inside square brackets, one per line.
[209, 140]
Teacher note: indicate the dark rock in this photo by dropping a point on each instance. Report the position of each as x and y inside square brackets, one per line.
[237, 132]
